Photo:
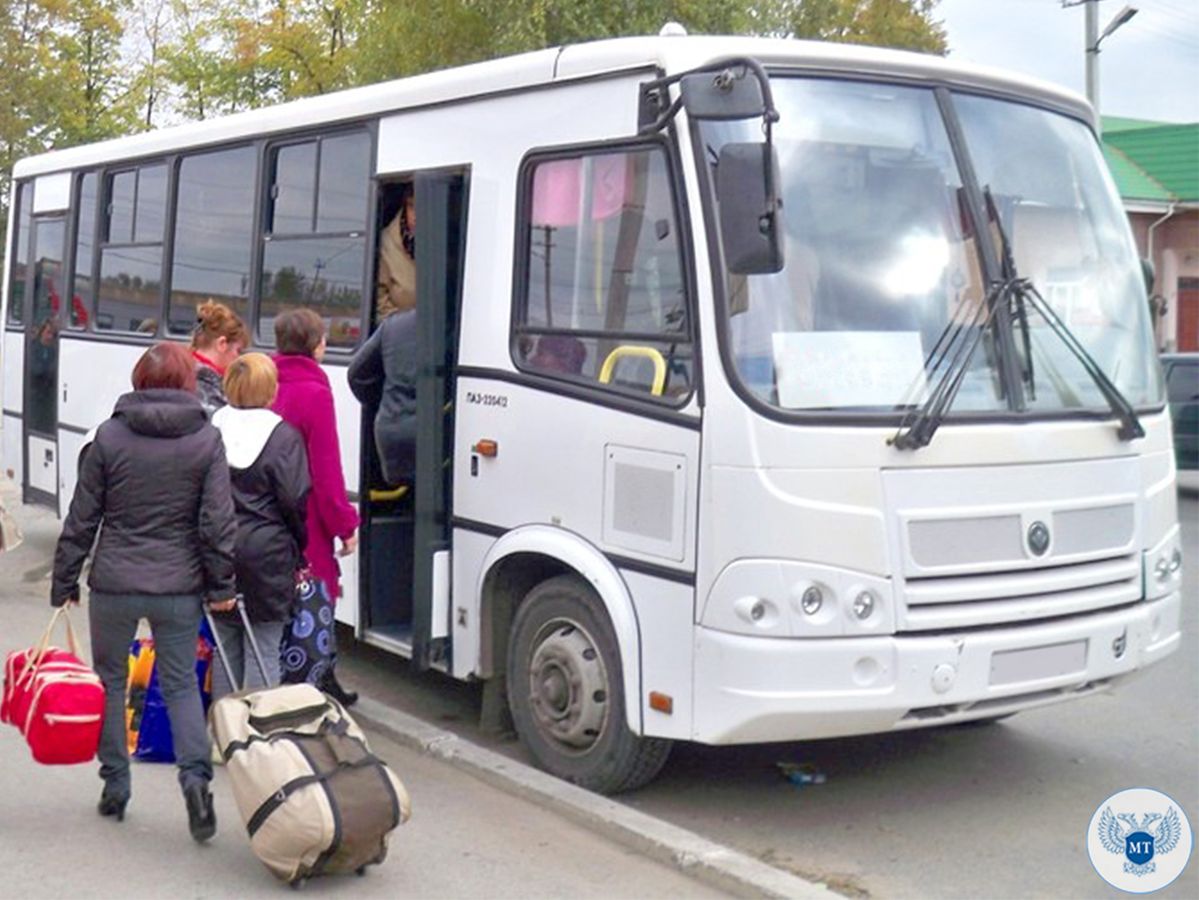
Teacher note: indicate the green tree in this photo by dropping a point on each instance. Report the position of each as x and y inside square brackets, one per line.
[902, 24]
[399, 38]
[63, 82]
[93, 91]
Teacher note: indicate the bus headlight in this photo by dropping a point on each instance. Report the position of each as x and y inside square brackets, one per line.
[781, 598]
[1163, 566]
[811, 601]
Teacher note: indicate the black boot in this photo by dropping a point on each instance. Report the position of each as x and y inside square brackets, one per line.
[331, 686]
[201, 817]
[112, 804]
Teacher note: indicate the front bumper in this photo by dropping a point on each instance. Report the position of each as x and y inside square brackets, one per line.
[750, 689]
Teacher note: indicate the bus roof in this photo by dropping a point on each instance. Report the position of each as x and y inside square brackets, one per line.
[541, 68]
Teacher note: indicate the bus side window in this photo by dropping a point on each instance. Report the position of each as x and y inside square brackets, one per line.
[214, 234]
[130, 285]
[16, 293]
[314, 251]
[83, 286]
[603, 300]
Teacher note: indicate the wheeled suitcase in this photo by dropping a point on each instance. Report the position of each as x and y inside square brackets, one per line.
[313, 797]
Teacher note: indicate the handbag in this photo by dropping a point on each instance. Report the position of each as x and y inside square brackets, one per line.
[54, 699]
[310, 642]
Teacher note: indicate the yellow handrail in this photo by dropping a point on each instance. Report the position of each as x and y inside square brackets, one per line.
[379, 495]
[654, 356]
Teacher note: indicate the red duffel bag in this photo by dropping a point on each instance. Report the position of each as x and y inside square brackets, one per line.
[54, 699]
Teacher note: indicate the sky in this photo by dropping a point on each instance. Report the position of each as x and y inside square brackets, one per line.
[1148, 69]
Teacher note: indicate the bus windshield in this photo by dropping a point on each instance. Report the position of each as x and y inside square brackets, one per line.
[882, 257]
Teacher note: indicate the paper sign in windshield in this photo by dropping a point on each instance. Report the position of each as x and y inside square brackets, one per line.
[822, 369]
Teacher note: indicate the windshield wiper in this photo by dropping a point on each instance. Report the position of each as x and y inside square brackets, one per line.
[1008, 270]
[917, 428]
[954, 349]
[1022, 292]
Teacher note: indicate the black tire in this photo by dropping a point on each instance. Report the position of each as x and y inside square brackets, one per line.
[565, 690]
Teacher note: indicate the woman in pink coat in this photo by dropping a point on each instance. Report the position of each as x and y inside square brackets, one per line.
[305, 401]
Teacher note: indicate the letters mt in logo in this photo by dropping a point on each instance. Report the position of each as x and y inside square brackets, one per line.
[1136, 842]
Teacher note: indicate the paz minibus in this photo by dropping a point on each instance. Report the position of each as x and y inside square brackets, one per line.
[768, 390]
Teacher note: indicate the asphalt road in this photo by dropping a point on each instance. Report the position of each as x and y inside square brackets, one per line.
[996, 811]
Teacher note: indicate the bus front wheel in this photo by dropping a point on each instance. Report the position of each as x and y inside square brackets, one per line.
[565, 691]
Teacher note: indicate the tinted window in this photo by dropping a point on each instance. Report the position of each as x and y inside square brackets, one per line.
[122, 188]
[322, 185]
[1182, 381]
[344, 181]
[47, 273]
[82, 286]
[213, 234]
[130, 287]
[294, 189]
[151, 204]
[16, 292]
[604, 297]
[324, 274]
[131, 273]
[42, 349]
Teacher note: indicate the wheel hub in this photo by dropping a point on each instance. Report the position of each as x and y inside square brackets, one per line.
[568, 685]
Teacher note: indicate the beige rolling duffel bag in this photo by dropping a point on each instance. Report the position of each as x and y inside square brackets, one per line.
[313, 797]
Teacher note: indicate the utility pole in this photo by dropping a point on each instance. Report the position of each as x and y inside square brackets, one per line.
[1094, 38]
[1091, 12]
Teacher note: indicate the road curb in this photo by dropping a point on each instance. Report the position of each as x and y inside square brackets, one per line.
[717, 865]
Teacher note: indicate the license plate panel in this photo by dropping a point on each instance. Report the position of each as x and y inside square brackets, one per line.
[1038, 663]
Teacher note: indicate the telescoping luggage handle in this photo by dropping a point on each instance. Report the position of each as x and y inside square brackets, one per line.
[240, 603]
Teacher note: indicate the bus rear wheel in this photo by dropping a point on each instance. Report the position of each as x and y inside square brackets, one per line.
[565, 691]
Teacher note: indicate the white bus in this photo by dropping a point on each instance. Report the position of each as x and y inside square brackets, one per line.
[769, 390]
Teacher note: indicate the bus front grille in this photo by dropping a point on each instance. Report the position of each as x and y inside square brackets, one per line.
[999, 598]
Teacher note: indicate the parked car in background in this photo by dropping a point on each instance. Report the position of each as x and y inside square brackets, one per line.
[1182, 385]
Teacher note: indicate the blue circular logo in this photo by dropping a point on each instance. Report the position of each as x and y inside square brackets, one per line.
[1139, 840]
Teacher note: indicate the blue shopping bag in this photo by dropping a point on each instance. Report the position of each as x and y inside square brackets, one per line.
[148, 727]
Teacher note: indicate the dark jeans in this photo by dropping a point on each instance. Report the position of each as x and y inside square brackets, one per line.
[174, 623]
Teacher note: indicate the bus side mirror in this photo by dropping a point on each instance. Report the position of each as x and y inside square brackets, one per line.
[751, 226]
[722, 95]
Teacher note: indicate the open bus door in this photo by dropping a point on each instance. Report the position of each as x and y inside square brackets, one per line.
[44, 312]
[404, 573]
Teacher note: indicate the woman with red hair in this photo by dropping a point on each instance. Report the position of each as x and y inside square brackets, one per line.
[155, 478]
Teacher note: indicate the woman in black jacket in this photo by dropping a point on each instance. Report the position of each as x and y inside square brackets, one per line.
[269, 471]
[156, 479]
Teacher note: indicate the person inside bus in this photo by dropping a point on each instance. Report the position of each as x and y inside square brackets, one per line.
[217, 339]
[268, 468]
[305, 401]
[395, 288]
[382, 376]
[155, 486]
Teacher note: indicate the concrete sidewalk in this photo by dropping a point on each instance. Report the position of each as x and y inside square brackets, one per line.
[483, 825]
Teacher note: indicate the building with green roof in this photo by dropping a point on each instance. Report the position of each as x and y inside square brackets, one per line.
[1156, 168]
